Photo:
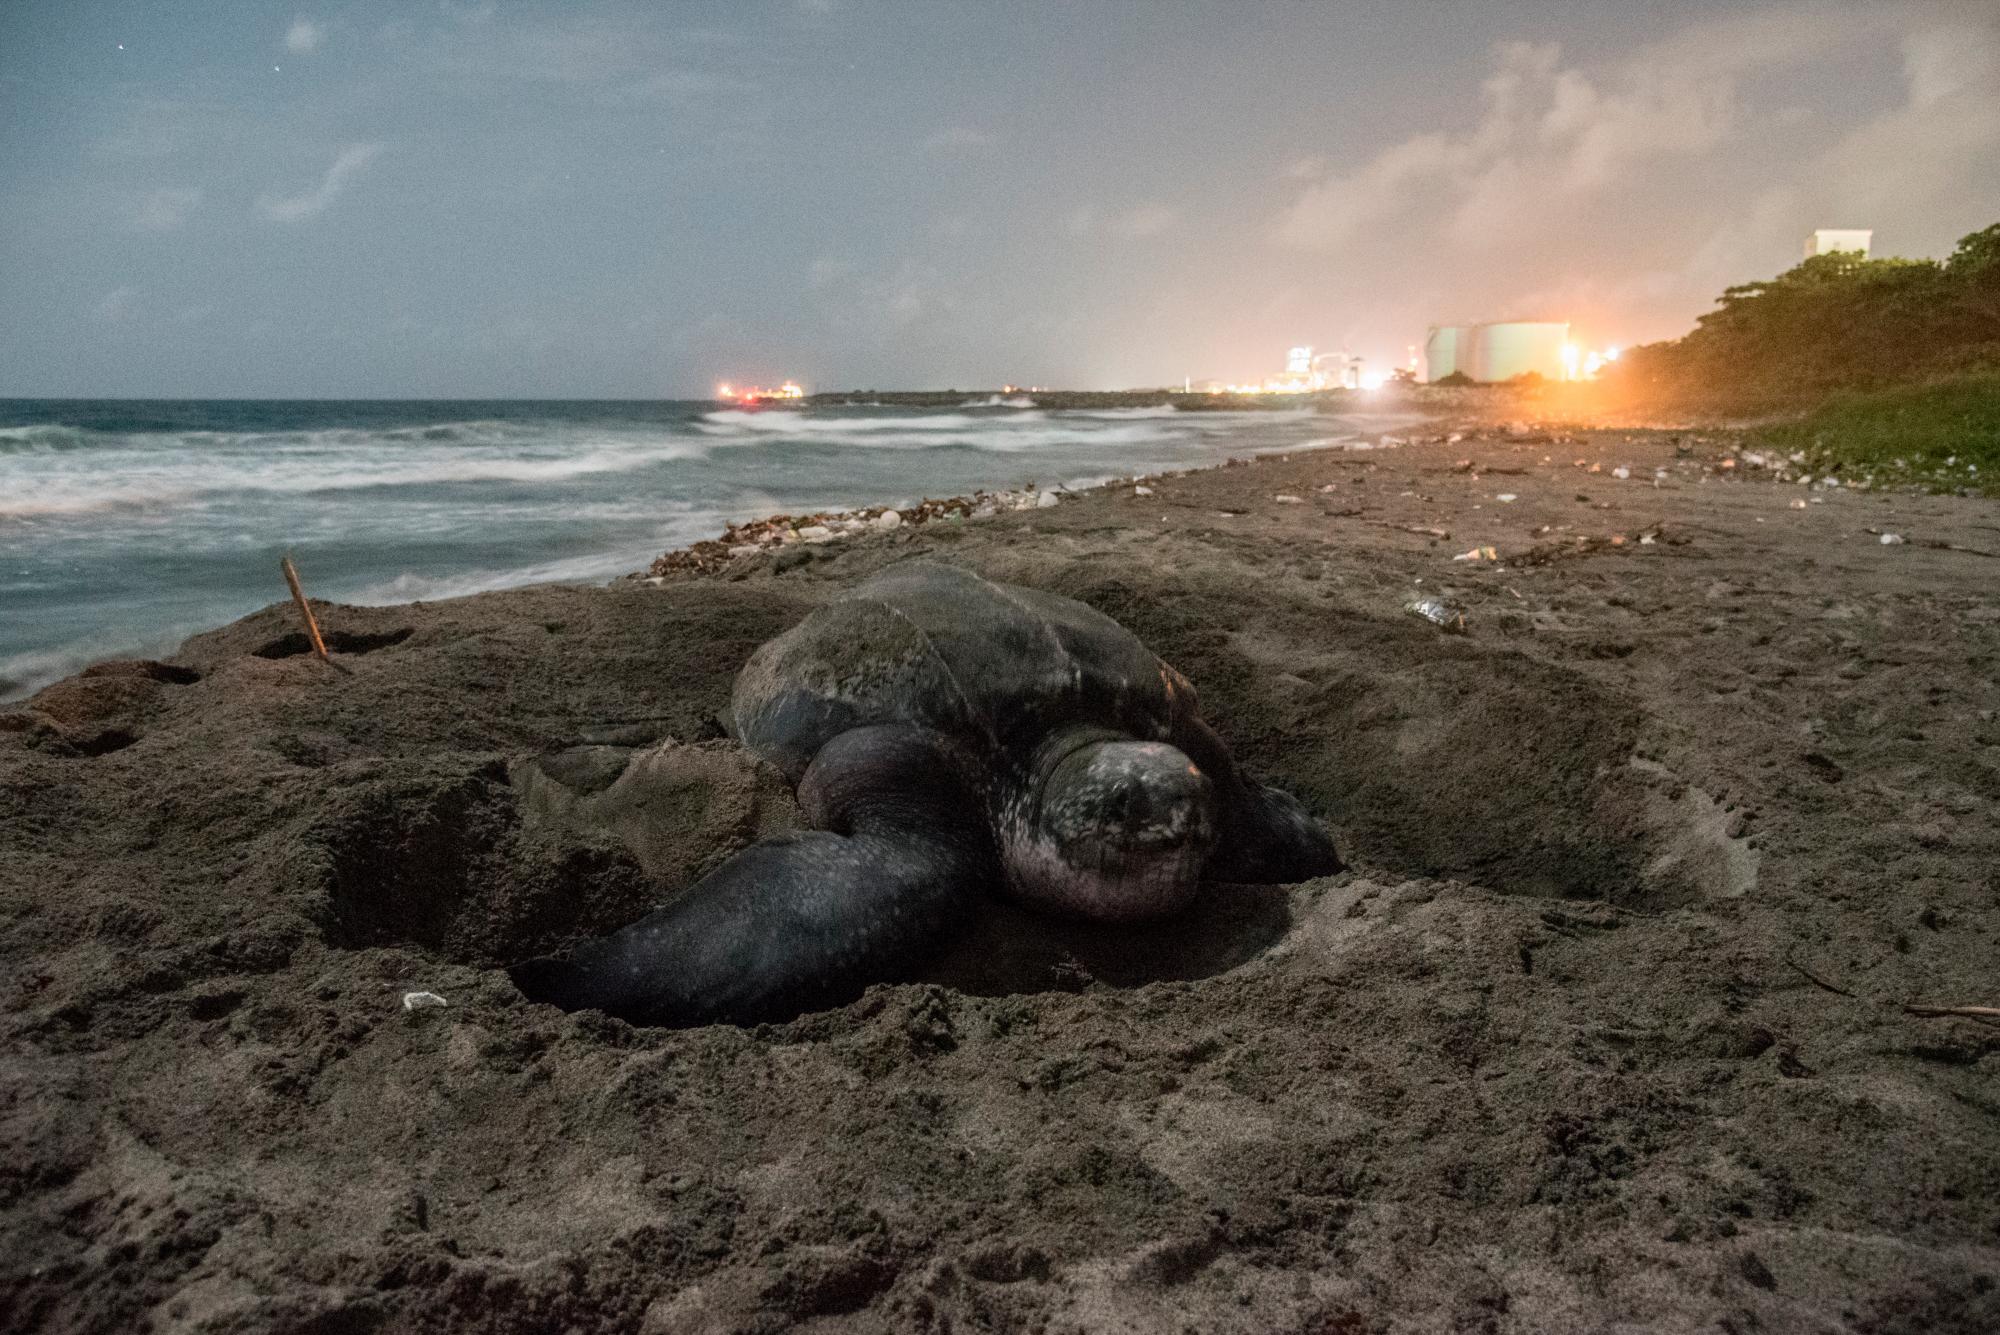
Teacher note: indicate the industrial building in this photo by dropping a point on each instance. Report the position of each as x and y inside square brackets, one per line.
[1441, 351]
[1845, 240]
[1501, 351]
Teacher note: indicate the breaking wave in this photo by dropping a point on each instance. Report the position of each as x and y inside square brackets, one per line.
[135, 474]
[418, 586]
[777, 423]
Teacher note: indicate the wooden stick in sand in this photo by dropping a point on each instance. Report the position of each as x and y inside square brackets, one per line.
[1984, 1014]
[305, 610]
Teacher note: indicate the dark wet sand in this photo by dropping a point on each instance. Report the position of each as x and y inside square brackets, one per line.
[1604, 1031]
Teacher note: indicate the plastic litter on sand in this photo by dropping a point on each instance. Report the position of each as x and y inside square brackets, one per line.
[1438, 613]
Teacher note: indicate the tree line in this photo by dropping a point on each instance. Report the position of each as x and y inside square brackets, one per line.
[1836, 322]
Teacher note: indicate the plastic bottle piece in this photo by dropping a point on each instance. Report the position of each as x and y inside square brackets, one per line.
[1438, 612]
[418, 1001]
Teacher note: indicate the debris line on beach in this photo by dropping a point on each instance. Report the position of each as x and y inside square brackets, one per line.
[777, 531]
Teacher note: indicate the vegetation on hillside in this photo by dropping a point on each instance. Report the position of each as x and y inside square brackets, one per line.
[1944, 435]
[1835, 322]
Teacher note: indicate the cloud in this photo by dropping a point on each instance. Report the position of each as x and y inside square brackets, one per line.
[296, 208]
[956, 138]
[1144, 220]
[827, 270]
[116, 307]
[304, 36]
[678, 85]
[1950, 59]
[1911, 171]
[1549, 132]
[1331, 212]
[165, 209]
[153, 128]
[612, 61]
[915, 293]
[1938, 146]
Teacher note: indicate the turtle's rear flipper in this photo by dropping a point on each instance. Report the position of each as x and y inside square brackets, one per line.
[803, 921]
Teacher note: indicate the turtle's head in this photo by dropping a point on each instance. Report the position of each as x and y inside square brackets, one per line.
[1115, 828]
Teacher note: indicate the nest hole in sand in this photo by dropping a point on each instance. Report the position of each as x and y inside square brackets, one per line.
[1446, 757]
[481, 861]
[488, 860]
[147, 669]
[337, 641]
[1431, 757]
[102, 709]
[400, 856]
[105, 742]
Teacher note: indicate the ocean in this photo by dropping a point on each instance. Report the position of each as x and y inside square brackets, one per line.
[126, 525]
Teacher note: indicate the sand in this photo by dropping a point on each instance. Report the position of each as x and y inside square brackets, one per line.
[1603, 1030]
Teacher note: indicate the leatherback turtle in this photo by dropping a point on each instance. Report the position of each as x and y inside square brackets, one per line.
[946, 735]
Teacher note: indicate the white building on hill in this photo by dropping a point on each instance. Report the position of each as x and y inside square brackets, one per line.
[1850, 240]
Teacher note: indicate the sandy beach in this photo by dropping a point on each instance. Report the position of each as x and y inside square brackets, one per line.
[1654, 845]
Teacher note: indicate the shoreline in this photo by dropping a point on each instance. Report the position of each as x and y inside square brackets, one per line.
[778, 532]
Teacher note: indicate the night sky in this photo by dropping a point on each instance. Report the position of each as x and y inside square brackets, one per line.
[636, 200]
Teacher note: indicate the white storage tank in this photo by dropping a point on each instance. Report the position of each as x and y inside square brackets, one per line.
[1516, 347]
[1442, 347]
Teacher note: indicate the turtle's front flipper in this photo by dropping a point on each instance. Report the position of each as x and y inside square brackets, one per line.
[1265, 836]
[807, 920]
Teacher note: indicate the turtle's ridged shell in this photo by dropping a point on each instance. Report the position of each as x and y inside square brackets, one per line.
[994, 665]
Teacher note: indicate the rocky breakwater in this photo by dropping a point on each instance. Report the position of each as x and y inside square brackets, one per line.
[793, 536]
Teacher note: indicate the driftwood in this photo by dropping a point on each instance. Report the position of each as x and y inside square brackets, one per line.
[1820, 982]
[1983, 1014]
